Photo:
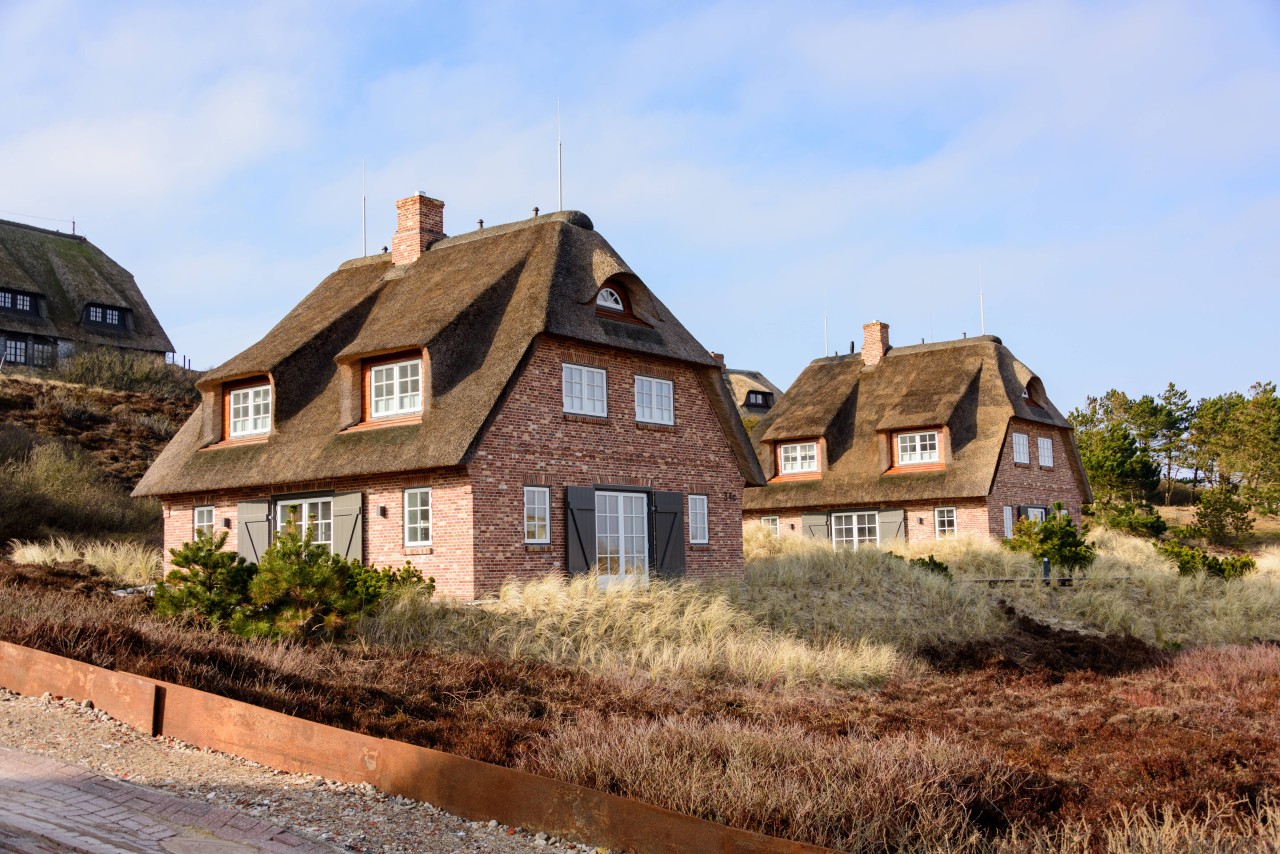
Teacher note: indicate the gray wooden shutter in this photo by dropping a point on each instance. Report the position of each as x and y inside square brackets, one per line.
[668, 534]
[816, 525]
[892, 524]
[348, 525]
[580, 529]
[253, 529]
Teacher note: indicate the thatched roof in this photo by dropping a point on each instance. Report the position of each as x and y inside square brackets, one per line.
[743, 381]
[973, 386]
[476, 303]
[70, 273]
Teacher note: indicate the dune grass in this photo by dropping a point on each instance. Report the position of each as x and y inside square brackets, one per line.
[131, 564]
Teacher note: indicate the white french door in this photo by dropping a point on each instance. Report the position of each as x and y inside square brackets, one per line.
[622, 536]
[313, 513]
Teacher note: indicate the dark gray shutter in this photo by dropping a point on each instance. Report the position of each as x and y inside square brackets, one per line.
[816, 525]
[580, 529]
[668, 534]
[892, 524]
[348, 525]
[253, 529]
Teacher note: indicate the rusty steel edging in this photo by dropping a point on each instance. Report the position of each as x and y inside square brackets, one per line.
[466, 787]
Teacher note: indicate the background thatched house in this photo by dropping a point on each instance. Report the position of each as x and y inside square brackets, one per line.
[753, 394]
[916, 442]
[503, 403]
[59, 292]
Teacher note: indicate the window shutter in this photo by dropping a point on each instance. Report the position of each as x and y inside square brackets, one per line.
[668, 533]
[892, 526]
[816, 525]
[348, 525]
[580, 529]
[253, 529]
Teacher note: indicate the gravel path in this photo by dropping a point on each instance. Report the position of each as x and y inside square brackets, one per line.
[351, 817]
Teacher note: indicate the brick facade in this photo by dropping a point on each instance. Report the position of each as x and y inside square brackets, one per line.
[477, 511]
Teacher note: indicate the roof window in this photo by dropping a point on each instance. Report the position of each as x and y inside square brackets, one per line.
[609, 299]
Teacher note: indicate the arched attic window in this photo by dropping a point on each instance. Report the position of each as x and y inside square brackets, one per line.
[609, 299]
[1034, 393]
[613, 301]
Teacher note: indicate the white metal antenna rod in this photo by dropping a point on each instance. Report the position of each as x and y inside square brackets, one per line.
[559, 160]
[364, 214]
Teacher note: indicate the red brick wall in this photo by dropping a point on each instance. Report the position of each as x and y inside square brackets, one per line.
[971, 518]
[532, 441]
[1019, 484]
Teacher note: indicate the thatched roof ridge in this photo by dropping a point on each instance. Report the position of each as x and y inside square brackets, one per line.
[70, 272]
[973, 386]
[476, 303]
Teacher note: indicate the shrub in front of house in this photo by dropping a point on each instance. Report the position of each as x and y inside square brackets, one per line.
[1192, 560]
[209, 585]
[1056, 538]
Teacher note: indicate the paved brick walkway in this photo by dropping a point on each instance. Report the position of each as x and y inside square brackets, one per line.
[48, 806]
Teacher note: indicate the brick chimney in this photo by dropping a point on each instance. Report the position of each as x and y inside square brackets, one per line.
[419, 223]
[875, 342]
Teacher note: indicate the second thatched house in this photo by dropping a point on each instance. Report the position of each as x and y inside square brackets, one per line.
[914, 443]
[509, 402]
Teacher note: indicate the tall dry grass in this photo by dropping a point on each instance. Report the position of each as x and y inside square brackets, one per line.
[131, 564]
[661, 629]
[1269, 562]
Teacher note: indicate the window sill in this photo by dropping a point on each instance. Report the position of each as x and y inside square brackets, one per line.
[586, 419]
[234, 443]
[418, 550]
[1022, 465]
[809, 475]
[919, 468]
[659, 428]
[399, 421]
[699, 547]
[537, 548]
[1046, 468]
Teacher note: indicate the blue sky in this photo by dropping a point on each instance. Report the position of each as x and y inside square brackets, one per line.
[1108, 172]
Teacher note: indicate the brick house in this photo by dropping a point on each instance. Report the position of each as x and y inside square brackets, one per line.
[60, 293]
[914, 443]
[504, 403]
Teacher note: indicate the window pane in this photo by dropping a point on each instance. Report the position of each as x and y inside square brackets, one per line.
[698, 519]
[1045, 450]
[537, 514]
[945, 522]
[417, 517]
[584, 390]
[1021, 451]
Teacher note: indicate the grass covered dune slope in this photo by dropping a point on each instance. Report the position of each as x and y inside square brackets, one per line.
[849, 699]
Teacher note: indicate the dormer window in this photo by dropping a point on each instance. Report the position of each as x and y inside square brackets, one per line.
[395, 389]
[918, 448]
[17, 301]
[798, 458]
[759, 398]
[249, 411]
[609, 299]
[105, 315]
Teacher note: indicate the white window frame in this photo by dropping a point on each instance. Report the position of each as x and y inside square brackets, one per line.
[406, 388]
[430, 522]
[22, 302]
[198, 524]
[857, 522]
[309, 507]
[95, 314]
[1044, 452]
[577, 383]
[15, 351]
[1037, 514]
[773, 523]
[652, 405]
[911, 449]
[112, 316]
[626, 557]
[799, 464]
[541, 518]
[941, 517]
[42, 355]
[699, 520]
[257, 404]
[6, 299]
[616, 304]
[1021, 449]
[1008, 522]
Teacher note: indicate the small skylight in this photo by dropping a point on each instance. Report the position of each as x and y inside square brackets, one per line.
[608, 298]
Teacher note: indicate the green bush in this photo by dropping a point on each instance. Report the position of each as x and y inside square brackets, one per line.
[209, 584]
[1222, 515]
[1192, 560]
[1141, 520]
[932, 564]
[1056, 538]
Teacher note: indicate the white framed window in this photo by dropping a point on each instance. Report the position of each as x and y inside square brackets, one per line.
[1021, 449]
[308, 514]
[1008, 522]
[855, 529]
[944, 522]
[622, 535]
[22, 302]
[202, 521]
[698, 532]
[15, 352]
[113, 316]
[95, 313]
[773, 524]
[537, 514]
[609, 298]
[6, 299]
[395, 389]
[250, 411]
[417, 516]
[917, 448]
[1036, 514]
[584, 390]
[1044, 451]
[42, 355]
[654, 401]
[798, 458]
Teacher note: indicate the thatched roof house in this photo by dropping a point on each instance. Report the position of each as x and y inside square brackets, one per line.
[59, 292]
[499, 331]
[899, 432]
[753, 394]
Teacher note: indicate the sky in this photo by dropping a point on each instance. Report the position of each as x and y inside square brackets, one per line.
[1106, 174]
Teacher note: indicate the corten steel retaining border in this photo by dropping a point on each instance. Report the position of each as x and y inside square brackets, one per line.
[466, 787]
